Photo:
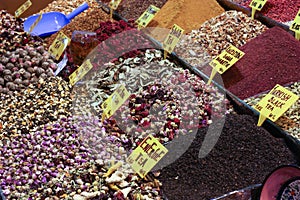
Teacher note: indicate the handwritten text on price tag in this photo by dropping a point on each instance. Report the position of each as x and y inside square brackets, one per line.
[226, 59]
[275, 103]
[80, 72]
[114, 4]
[147, 16]
[23, 8]
[258, 4]
[59, 45]
[146, 155]
[295, 26]
[115, 101]
[173, 38]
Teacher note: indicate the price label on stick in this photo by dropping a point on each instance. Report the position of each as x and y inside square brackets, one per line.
[274, 104]
[114, 4]
[114, 101]
[59, 45]
[35, 23]
[23, 8]
[257, 5]
[295, 26]
[146, 155]
[147, 16]
[172, 39]
[225, 60]
[80, 72]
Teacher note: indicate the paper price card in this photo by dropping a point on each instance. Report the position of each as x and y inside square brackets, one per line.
[257, 5]
[59, 45]
[35, 23]
[80, 72]
[146, 155]
[172, 39]
[114, 4]
[23, 8]
[114, 101]
[225, 60]
[147, 16]
[295, 26]
[274, 104]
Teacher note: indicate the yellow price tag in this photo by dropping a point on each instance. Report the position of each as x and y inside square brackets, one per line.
[114, 4]
[225, 60]
[114, 101]
[80, 72]
[35, 23]
[274, 104]
[295, 26]
[147, 16]
[59, 45]
[146, 155]
[23, 8]
[173, 38]
[257, 5]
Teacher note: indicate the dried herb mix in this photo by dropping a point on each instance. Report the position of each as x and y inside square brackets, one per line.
[271, 58]
[243, 155]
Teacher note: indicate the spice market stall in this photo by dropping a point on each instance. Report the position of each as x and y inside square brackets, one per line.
[102, 110]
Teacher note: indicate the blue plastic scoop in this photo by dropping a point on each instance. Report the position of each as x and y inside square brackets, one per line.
[52, 22]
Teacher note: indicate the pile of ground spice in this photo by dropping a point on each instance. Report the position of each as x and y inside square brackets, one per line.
[133, 9]
[188, 14]
[280, 10]
[271, 58]
[244, 155]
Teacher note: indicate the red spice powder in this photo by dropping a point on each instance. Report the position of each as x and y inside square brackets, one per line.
[280, 10]
[271, 58]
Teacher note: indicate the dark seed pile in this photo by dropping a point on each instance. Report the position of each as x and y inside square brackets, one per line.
[244, 155]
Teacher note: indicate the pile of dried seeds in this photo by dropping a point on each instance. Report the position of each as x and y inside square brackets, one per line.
[231, 27]
[42, 102]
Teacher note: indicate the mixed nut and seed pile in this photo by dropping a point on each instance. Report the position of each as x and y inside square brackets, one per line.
[55, 142]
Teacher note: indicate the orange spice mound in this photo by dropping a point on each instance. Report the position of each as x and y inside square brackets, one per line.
[188, 14]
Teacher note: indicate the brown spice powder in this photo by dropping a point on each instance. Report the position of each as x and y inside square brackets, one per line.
[188, 14]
